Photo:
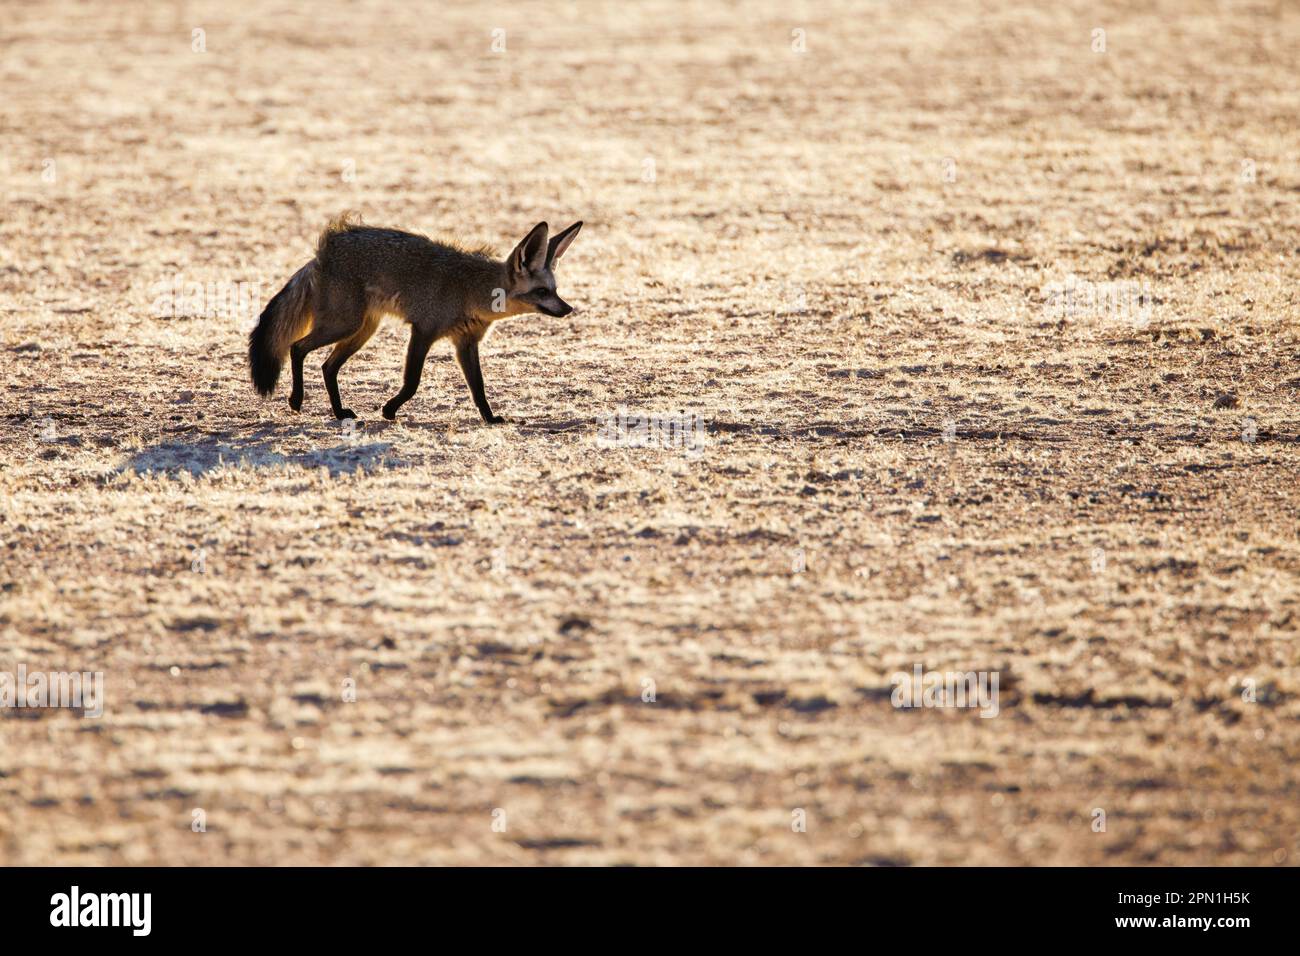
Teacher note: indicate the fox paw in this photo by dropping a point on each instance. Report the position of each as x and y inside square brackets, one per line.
[345, 413]
[390, 413]
[494, 419]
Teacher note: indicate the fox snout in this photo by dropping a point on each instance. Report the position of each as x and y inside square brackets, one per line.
[554, 306]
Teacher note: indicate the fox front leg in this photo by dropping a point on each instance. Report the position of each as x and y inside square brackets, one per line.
[467, 356]
[416, 352]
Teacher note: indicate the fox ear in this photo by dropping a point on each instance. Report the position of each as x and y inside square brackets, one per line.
[530, 254]
[562, 241]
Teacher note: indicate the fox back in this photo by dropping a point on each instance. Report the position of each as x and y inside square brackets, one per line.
[399, 270]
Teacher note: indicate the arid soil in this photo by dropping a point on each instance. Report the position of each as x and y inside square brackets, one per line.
[833, 239]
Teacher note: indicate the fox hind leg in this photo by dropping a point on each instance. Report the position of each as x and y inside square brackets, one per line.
[341, 318]
[342, 352]
[313, 340]
[296, 355]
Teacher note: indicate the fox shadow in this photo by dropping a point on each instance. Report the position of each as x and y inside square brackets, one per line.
[258, 451]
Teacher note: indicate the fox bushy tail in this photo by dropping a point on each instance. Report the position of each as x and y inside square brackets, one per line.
[286, 319]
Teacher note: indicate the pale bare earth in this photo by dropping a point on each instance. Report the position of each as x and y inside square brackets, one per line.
[838, 247]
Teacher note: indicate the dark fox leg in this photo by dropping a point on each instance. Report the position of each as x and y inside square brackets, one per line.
[416, 352]
[296, 355]
[342, 352]
[339, 316]
[315, 339]
[467, 356]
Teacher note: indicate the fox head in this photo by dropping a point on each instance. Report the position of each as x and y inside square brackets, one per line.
[530, 275]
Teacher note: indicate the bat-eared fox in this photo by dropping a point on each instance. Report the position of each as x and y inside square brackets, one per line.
[361, 274]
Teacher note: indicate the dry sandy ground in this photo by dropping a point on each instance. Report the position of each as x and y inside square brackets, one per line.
[838, 247]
